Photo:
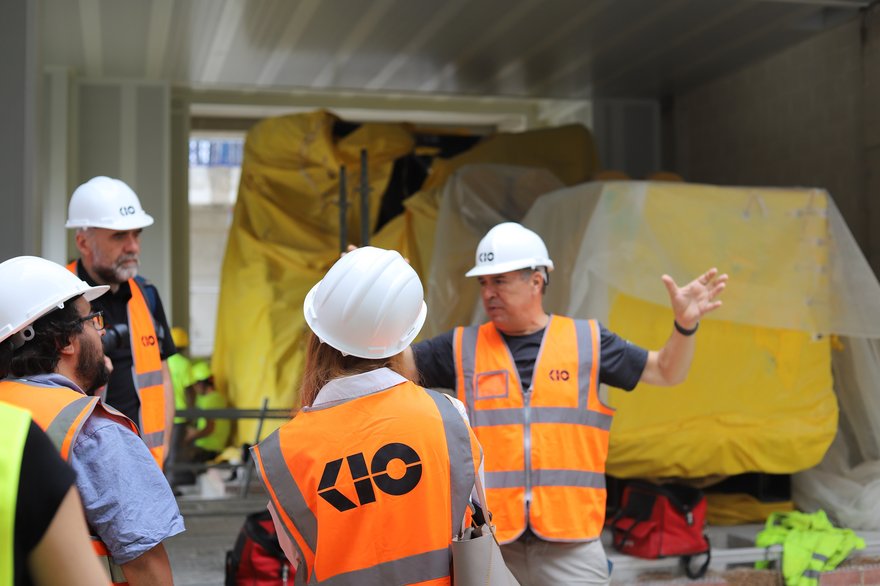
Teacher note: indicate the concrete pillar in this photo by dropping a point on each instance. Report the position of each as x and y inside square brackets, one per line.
[19, 100]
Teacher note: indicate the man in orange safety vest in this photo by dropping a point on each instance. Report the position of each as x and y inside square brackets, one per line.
[109, 219]
[530, 383]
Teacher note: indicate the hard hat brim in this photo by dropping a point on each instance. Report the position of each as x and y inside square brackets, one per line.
[506, 267]
[133, 223]
[93, 293]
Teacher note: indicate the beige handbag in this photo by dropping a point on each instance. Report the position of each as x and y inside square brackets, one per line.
[476, 555]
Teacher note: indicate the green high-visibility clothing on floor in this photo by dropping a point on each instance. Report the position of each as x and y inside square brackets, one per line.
[810, 545]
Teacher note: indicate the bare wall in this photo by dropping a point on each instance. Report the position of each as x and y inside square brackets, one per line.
[808, 116]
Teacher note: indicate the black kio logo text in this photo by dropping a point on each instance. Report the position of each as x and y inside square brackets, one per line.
[378, 475]
[559, 375]
[148, 340]
[126, 211]
[486, 257]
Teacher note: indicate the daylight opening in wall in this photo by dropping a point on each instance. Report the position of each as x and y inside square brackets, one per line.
[214, 172]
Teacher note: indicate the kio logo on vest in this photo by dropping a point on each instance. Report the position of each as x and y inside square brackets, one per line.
[378, 475]
[556, 375]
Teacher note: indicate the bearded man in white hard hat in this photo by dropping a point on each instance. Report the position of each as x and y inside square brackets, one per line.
[51, 356]
[530, 383]
[109, 219]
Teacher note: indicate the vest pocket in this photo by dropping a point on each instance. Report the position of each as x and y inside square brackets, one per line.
[492, 384]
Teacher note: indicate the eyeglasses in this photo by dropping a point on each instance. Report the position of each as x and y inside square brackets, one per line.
[97, 318]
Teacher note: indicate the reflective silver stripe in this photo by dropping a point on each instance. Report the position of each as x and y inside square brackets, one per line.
[489, 417]
[577, 478]
[585, 360]
[148, 379]
[153, 440]
[516, 479]
[820, 557]
[61, 425]
[413, 569]
[566, 415]
[814, 574]
[286, 491]
[509, 479]
[468, 364]
[461, 460]
[515, 416]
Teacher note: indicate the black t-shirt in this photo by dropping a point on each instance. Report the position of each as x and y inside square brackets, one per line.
[43, 482]
[620, 362]
[121, 392]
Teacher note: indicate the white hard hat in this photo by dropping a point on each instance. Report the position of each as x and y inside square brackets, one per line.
[509, 247]
[32, 287]
[370, 304]
[103, 202]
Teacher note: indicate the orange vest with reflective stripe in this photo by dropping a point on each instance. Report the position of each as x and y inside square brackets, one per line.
[61, 412]
[545, 449]
[147, 375]
[372, 490]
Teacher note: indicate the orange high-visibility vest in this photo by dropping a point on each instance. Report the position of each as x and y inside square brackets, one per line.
[61, 412]
[372, 490]
[147, 370]
[545, 450]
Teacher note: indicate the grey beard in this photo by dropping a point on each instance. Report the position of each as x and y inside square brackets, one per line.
[116, 275]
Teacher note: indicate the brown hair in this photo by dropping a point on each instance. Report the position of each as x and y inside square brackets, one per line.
[325, 363]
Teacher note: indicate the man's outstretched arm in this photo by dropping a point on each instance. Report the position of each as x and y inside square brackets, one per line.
[670, 365]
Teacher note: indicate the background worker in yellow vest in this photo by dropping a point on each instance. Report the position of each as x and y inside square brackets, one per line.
[371, 479]
[180, 369]
[109, 219]
[43, 535]
[530, 383]
[208, 435]
[51, 356]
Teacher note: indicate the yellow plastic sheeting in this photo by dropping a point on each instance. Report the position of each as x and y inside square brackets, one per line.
[412, 232]
[568, 152]
[756, 399]
[741, 509]
[284, 236]
[759, 396]
[794, 261]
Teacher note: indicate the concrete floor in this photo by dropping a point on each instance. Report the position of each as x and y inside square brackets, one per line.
[212, 525]
[198, 554]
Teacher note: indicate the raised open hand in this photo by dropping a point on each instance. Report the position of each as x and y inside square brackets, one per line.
[697, 298]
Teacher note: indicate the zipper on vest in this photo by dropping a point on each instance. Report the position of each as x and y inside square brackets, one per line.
[527, 436]
[527, 411]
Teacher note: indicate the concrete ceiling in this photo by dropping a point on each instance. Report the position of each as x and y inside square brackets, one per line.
[563, 49]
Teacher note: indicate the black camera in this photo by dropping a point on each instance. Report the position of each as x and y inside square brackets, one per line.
[116, 338]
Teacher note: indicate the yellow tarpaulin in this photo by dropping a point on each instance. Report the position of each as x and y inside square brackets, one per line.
[284, 236]
[567, 152]
[759, 397]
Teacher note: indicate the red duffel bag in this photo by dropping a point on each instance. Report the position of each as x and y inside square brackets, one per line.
[257, 558]
[662, 521]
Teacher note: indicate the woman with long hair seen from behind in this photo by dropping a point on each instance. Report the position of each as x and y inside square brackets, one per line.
[372, 478]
